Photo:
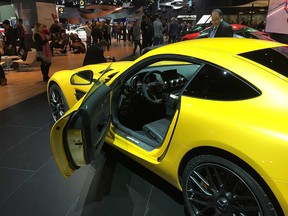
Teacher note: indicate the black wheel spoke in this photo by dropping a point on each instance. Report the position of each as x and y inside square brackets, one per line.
[218, 178]
[204, 210]
[57, 102]
[201, 202]
[243, 198]
[199, 194]
[235, 187]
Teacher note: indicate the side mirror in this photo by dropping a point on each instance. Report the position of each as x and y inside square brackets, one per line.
[82, 78]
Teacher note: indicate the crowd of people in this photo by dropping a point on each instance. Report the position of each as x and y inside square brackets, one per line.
[142, 33]
[147, 31]
[13, 37]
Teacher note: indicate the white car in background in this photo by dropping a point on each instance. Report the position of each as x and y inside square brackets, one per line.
[79, 30]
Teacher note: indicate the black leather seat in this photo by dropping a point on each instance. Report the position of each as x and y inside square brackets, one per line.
[157, 130]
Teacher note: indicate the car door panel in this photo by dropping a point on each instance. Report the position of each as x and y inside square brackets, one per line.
[77, 138]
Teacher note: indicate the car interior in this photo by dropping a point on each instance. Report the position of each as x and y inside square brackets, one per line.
[147, 100]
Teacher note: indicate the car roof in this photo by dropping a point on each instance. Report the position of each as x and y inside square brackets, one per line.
[224, 52]
[231, 46]
[235, 27]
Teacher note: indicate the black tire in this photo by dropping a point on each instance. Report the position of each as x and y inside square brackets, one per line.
[57, 102]
[215, 186]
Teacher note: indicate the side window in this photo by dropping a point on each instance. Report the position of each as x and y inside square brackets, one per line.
[216, 84]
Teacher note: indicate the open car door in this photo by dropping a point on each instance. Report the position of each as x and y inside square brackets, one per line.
[78, 136]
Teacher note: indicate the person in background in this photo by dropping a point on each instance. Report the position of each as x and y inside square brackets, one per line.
[97, 33]
[136, 36]
[21, 35]
[219, 28]
[183, 28]
[76, 45]
[93, 25]
[55, 29]
[158, 31]
[147, 31]
[109, 33]
[60, 43]
[130, 30]
[113, 30]
[43, 50]
[3, 80]
[45, 30]
[88, 31]
[173, 29]
[165, 27]
[10, 39]
[95, 53]
[105, 31]
[118, 29]
[124, 29]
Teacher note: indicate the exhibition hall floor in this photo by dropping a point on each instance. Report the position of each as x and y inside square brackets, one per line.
[31, 184]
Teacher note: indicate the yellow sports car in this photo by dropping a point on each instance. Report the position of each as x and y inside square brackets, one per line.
[209, 116]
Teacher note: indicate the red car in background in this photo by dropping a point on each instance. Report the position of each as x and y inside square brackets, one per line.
[239, 31]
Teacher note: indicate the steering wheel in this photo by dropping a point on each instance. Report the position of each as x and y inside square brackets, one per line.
[155, 91]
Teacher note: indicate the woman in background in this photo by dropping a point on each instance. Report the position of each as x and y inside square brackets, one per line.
[43, 50]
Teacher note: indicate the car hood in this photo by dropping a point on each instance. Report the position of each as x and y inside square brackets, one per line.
[97, 69]
[116, 68]
[62, 78]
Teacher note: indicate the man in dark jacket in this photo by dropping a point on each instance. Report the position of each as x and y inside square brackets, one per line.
[219, 28]
[173, 30]
[147, 31]
[10, 40]
[95, 53]
[21, 35]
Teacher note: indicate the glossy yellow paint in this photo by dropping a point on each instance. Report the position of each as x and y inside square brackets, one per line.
[248, 135]
[280, 189]
[57, 146]
[254, 131]
[62, 78]
[196, 128]
[199, 48]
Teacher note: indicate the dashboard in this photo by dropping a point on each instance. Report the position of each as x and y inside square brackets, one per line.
[170, 79]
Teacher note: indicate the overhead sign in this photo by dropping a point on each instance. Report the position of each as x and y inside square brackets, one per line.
[82, 4]
[60, 10]
[187, 17]
[204, 19]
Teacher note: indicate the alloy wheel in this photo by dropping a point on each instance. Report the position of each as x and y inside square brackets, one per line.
[58, 103]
